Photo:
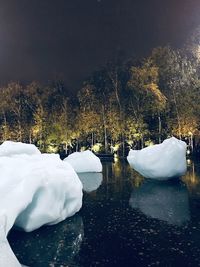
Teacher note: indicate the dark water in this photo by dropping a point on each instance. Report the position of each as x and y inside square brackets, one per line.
[125, 221]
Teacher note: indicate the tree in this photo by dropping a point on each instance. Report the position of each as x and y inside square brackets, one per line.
[37, 97]
[14, 108]
[145, 95]
[88, 118]
[179, 82]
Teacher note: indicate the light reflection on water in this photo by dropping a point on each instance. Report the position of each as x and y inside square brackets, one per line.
[51, 245]
[128, 221]
[90, 181]
[192, 178]
[167, 201]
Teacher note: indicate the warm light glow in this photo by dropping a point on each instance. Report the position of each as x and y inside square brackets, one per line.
[130, 142]
[52, 149]
[116, 147]
[116, 158]
[96, 148]
[149, 143]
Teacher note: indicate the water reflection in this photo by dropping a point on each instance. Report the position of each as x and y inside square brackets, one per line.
[192, 178]
[51, 245]
[166, 201]
[128, 221]
[90, 181]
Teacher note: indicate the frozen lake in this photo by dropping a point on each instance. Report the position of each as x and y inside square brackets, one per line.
[125, 221]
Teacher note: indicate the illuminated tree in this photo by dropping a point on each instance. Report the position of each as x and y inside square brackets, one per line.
[88, 119]
[4, 109]
[145, 95]
[179, 82]
[37, 98]
[14, 111]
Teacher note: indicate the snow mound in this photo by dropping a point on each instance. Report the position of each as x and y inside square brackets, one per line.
[84, 161]
[162, 161]
[167, 201]
[90, 181]
[7, 257]
[35, 189]
[9, 148]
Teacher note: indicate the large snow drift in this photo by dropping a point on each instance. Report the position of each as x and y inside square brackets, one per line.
[84, 161]
[167, 201]
[161, 161]
[35, 189]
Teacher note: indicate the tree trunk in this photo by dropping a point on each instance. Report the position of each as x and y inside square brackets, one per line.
[159, 128]
[105, 140]
[177, 115]
[66, 150]
[20, 130]
[142, 142]
[92, 139]
[30, 137]
[191, 143]
[123, 146]
[5, 134]
[77, 145]
[105, 130]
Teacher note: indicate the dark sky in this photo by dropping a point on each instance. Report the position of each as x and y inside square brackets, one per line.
[40, 39]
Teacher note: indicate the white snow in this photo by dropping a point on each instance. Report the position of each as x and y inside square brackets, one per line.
[167, 201]
[84, 161]
[35, 189]
[161, 161]
[7, 257]
[10, 148]
[90, 181]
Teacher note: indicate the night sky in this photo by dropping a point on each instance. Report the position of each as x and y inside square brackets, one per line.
[45, 39]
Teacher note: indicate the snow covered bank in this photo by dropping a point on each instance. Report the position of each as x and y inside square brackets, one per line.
[84, 161]
[167, 201]
[35, 189]
[161, 161]
[90, 181]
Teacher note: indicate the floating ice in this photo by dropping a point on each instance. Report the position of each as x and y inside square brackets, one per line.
[167, 201]
[35, 189]
[161, 161]
[84, 161]
[90, 181]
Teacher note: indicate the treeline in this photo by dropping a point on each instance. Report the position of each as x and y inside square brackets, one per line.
[125, 104]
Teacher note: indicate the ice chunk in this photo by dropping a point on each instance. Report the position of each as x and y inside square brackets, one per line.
[35, 190]
[9, 148]
[47, 190]
[167, 201]
[161, 161]
[90, 181]
[84, 161]
[7, 257]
